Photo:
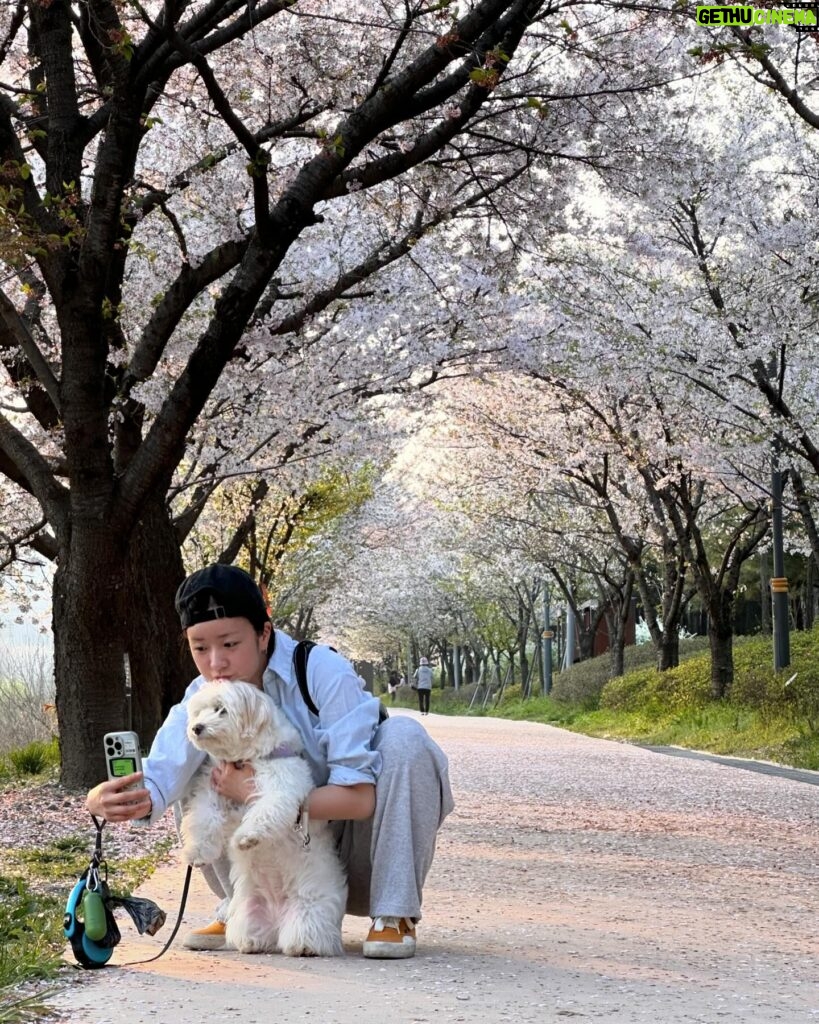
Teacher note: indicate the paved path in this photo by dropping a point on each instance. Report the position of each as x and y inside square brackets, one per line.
[577, 878]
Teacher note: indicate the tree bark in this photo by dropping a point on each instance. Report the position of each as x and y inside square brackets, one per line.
[523, 625]
[721, 643]
[806, 514]
[668, 652]
[765, 594]
[160, 663]
[616, 657]
[617, 614]
[88, 601]
[122, 590]
[718, 588]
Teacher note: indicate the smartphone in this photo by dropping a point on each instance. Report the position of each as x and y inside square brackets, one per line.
[122, 755]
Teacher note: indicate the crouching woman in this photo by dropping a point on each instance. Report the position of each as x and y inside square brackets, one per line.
[384, 784]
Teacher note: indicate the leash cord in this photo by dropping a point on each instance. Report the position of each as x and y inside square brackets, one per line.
[166, 947]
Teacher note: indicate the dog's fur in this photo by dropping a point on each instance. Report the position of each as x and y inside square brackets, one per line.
[286, 897]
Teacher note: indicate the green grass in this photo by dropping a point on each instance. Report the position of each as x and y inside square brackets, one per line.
[762, 717]
[24, 1009]
[31, 935]
[34, 887]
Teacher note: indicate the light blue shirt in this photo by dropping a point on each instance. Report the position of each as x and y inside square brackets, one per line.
[337, 742]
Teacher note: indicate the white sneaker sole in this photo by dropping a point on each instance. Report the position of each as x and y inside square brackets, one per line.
[390, 950]
[204, 942]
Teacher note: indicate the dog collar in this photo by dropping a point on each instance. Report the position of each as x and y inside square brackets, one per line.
[285, 750]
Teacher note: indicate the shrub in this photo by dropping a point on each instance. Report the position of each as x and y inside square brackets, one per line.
[35, 758]
[450, 699]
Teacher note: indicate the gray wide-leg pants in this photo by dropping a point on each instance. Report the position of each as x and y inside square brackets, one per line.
[388, 856]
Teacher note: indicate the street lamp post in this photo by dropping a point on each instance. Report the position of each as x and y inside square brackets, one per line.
[779, 582]
[546, 638]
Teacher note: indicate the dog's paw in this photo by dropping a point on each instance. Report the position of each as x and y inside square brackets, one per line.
[198, 854]
[193, 856]
[304, 949]
[245, 841]
[252, 947]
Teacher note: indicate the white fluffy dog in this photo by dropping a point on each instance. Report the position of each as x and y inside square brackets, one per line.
[288, 894]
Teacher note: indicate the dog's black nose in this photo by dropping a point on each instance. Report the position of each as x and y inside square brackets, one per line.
[197, 729]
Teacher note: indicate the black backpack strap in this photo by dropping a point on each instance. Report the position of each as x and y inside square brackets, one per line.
[300, 656]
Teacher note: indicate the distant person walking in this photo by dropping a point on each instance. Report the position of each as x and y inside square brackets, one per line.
[423, 684]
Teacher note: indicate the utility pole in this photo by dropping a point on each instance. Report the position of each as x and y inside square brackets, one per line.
[779, 582]
[568, 653]
[546, 637]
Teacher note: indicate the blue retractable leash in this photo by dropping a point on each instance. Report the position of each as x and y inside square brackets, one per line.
[89, 923]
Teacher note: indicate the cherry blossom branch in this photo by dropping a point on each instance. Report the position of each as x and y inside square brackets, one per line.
[258, 156]
[33, 537]
[752, 50]
[382, 258]
[275, 130]
[410, 16]
[15, 24]
[294, 211]
[176, 300]
[17, 336]
[33, 473]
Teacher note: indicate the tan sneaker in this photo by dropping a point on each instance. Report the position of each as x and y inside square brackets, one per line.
[390, 938]
[210, 937]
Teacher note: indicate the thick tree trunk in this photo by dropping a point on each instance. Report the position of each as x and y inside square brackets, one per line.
[721, 642]
[617, 616]
[765, 593]
[470, 666]
[111, 597]
[717, 591]
[806, 514]
[616, 619]
[160, 664]
[524, 667]
[668, 652]
[616, 656]
[88, 651]
[523, 623]
[441, 648]
[664, 631]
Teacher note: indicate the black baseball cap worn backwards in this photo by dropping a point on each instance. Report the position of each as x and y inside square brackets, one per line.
[220, 592]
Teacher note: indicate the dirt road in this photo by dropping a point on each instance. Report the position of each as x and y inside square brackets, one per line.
[577, 878]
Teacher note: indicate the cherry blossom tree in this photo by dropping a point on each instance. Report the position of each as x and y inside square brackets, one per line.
[231, 229]
[158, 164]
[677, 329]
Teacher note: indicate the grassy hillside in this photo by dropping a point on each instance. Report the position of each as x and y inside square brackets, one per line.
[764, 717]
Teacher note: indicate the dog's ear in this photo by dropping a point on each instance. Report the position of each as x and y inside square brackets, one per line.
[255, 718]
[258, 719]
